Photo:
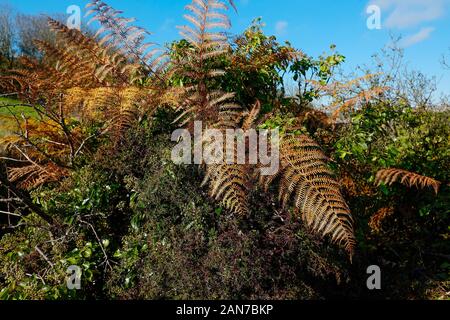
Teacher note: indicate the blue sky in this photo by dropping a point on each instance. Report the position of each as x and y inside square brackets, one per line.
[309, 25]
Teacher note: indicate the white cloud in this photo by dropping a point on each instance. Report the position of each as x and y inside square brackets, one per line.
[403, 14]
[281, 27]
[420, 36]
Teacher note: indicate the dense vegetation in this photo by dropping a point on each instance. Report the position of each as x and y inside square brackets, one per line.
[87, 179]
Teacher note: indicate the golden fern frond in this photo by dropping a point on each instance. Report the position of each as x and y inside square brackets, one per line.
[39, 151]
[305, 177]
[407, 178]
[38, 139]
[120, 107]
[129, 112]
[92, 104]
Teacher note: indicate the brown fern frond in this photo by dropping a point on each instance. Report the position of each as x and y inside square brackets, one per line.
[73, 69]
[34, 175]
[9, 83]
[376, 221]
[229, 182]
[213, 107]
[252, 116]
[117, 33]
[349, 95]
[108, 63]
[362, 97]
[79, 81]
[206, 16]
[407, 178]
[35, 80]
[305, 177]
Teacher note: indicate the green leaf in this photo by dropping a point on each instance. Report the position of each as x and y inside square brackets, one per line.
[105, 243]
[87, 253]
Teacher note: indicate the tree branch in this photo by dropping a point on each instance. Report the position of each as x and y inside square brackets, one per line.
[26, 200]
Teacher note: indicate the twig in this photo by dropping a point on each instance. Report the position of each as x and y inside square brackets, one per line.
[26, 200]
[10, 200]
[12, 159]
[10, 213]
[8, 205]
[83, 143]
[44, 256]
[8, 94]
[37, 276]
[13, 105]
[29, 159]
[99, 242]
[54, 142]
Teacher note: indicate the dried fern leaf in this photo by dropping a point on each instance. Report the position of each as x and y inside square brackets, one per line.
[252, 116]
[305, 179]
[407, 178]
[376, 221]
[229, 183]
[117, 34]
[34, 175]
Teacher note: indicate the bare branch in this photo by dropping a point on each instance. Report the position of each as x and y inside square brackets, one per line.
[10, 213]
[44, 256]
